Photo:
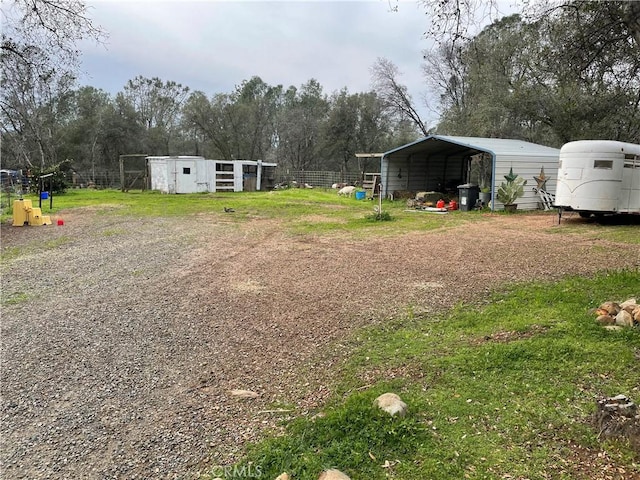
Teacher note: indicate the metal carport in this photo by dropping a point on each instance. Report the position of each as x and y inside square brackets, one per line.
[441, 163]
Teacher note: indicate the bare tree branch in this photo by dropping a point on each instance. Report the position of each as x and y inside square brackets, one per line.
[38, 54]
[394, 95]
[53, 26]
[449, 21]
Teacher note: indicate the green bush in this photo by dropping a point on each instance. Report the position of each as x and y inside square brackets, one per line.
[58, 183]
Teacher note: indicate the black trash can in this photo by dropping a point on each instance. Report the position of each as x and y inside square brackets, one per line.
[468, 194]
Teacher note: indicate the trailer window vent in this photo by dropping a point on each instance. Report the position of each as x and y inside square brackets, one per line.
[605, 164]
[186, 171]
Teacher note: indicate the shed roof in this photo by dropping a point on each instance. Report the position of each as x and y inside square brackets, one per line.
[196, 158]
[456, 145]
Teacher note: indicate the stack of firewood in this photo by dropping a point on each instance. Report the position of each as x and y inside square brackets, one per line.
[624, 314]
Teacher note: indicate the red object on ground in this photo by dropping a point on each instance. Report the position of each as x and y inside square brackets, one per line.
[440, 204]
[453, 205]
[60, 222]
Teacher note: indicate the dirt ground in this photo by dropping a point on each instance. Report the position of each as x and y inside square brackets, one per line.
[121, 338]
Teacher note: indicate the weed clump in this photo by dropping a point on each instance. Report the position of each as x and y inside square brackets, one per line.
[379, 217]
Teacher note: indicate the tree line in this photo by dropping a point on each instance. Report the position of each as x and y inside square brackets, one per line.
[566, 72]
[301, 128]
[550, 75]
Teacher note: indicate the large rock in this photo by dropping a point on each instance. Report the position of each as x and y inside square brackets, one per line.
[391, 403]
[629, 305]
[611, 308]
[333, 474]
[244, 393]
[624, 319]
[606, 320]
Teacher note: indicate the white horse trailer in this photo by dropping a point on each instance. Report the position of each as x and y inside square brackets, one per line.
[599, 177]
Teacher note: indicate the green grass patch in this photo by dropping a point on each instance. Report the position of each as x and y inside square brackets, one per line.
[495, 390]
[15, 298]
[366, 438]
[56, 242]
[113, 232]
[301, 211]
[379, 216]
[10, 253]
[624, 228]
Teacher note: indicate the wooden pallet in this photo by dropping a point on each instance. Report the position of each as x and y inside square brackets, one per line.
[369, 184]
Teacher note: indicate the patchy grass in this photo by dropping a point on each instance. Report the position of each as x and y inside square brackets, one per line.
[500, 390]
[299, 209]
[307, 211]
[624, 228]
[11, 253]
[15, 298]
[113, 232]
[56, 242]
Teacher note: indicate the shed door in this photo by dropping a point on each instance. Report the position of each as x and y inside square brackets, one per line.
[185, 175]
[630, 190]
[237, 177]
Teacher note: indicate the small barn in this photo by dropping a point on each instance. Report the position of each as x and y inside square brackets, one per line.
[441, 163]
[192, 174]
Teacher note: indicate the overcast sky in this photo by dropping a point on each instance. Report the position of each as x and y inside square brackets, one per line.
[213, 45]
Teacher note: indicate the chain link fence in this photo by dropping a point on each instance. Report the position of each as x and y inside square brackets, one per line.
[318, 179]
[101, 179]
[12, 186]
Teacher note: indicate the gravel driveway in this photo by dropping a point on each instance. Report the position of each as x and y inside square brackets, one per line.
[121, 338]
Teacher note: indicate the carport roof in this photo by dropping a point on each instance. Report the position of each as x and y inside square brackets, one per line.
[434, 144]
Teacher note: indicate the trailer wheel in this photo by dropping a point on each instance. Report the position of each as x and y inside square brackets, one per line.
[585, 214]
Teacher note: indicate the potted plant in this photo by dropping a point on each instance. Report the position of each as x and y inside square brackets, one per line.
[511, 190]
[485, 195]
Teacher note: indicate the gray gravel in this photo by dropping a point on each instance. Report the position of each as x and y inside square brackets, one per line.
[121, 338]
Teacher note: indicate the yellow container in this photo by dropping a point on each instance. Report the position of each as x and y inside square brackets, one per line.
[21, 209]
[36, 218]
[24, 212]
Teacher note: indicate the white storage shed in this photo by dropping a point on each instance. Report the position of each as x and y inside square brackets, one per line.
[441, 163]
[192, 174]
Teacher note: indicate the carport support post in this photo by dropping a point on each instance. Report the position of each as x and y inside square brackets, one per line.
[259, 175]
[122, 173]
[493, 181]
